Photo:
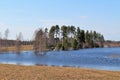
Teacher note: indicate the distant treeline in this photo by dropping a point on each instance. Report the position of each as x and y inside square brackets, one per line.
[13, 45]
[9, 43]
[66, 38]
[109, 43]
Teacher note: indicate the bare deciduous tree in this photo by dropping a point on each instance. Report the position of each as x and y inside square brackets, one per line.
[6, 33]
[0, 41]
[18, 42]
[6, 39]
[40, 41]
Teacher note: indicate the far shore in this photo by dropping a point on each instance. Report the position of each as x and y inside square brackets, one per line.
[13, 72]
[27, 48]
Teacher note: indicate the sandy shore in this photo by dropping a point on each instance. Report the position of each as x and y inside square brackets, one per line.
[17, 72]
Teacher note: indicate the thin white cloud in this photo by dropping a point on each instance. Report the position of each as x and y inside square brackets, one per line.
[83, 17]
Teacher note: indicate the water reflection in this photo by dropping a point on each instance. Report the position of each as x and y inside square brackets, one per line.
[113, 55]
[40, 53]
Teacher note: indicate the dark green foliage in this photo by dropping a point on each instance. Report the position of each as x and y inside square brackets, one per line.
[73, 30]
[64, 31]
[57, 29]
[78, 34]
[58, 46]
[52, 30]
[87, 38]
[80, 37]
[65, 44]
[74, 44]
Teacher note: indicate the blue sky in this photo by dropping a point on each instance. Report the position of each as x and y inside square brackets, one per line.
[28, 15]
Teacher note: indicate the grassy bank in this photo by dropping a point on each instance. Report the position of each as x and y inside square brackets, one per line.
[13, 48]
[14, 72]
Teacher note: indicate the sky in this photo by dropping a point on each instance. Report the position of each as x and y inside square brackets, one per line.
[28, 15]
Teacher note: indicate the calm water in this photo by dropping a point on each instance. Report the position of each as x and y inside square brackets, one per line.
[98, 58]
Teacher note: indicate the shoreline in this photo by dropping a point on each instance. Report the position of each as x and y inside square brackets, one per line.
[20, 72]
[30, 47]
[28, 65]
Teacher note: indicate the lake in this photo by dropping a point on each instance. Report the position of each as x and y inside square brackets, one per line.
[96, 58]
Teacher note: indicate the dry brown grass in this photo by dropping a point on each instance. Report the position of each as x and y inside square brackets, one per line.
[15, 72]
[13, 48]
